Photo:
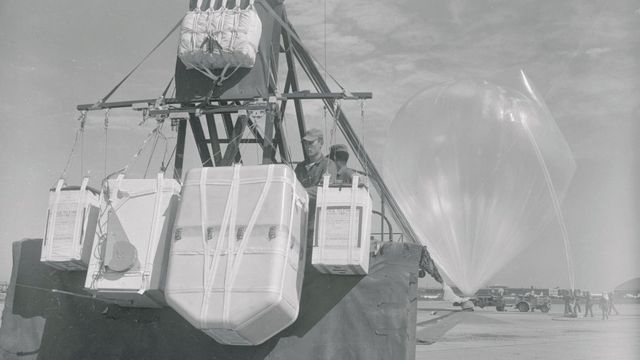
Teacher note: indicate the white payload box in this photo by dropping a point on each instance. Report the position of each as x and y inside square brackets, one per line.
[71, 225]
[342, 228]
[236, 262]
[129, 256]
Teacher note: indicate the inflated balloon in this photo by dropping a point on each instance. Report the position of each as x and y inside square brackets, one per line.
[479, 170]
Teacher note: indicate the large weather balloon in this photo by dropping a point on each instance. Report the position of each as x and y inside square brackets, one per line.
[479, 169]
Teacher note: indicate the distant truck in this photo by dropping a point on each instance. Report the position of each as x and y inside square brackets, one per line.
[531, 302]
[489, 297]
[523, 303]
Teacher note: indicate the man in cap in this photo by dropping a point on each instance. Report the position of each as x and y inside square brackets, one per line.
[340, 155]
[311, 171]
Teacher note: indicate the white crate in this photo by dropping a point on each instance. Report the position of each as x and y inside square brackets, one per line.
[236, 264]
[129, 257]
[72, 217]
[343, 225]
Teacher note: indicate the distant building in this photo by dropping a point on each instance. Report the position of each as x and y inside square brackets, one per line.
[628, 290]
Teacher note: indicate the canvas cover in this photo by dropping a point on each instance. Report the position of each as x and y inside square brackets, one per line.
[222, 37]
[341, 317]
[245, 82]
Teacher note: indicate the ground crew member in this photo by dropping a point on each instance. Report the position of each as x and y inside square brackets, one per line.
[340, 154]
[310, 173]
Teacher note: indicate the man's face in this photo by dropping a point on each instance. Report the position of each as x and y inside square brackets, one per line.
[312, 148]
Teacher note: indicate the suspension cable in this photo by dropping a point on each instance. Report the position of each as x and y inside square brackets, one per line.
[79, 135]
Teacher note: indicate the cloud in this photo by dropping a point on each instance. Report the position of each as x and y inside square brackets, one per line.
[597, 51]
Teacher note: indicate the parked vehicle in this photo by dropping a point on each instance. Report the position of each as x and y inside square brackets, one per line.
[531, 302]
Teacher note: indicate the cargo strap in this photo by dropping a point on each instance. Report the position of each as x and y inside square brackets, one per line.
[78, 225]
[239, 253]
[152, 244]
[227, 238]
[211, 269]
[54, 212]
[80, 216]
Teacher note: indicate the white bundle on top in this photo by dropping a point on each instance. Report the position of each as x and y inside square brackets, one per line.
[220, 38]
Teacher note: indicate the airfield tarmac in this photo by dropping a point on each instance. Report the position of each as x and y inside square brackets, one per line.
[487, 334]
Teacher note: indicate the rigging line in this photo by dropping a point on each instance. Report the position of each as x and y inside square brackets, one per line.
[153, 150]
[166, 89]
[106, 139]
[57, 291]
[82, 123]
[82, 118]
[325, 40]
[142, 147]
[362, 148]
[170, 157]
[106, 97]
[295, 37]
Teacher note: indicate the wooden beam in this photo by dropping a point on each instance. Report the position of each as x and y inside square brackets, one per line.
[179, 161]
[280, 140]
[201, 141]
[233, 149]
[228, 127]
[268, 151]
[214, 139]
[302, 128]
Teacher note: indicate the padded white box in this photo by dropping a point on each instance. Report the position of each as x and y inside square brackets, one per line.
[129, 256]
[343, 225]
[236, 263]
[72, 217]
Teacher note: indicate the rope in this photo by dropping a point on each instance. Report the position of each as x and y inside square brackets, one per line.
[152, 134]
[79, 135]
[106, 97]
[106, 139]
[294, 36]
[153, 150]
[325, 40]
[166, 89]
[56, 291]
[361, 150]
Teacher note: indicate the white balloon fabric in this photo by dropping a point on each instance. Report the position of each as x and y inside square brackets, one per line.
[478, 169]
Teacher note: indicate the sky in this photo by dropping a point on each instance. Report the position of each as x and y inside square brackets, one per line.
[581, 55]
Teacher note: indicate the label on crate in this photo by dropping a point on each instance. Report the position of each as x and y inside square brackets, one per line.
[65, 222]
[337, 220]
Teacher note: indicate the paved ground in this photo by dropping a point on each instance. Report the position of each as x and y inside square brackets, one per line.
[487, 334]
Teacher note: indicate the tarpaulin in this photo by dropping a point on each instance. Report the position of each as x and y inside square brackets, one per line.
[341, 317]
[245, 82]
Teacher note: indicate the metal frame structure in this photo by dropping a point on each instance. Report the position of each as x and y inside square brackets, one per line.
[226, 120]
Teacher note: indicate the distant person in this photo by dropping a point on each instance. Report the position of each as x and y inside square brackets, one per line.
[588, 304]
[568, 309]
[604, 306]
[340, 155]
[612, 306]
[576, 305]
